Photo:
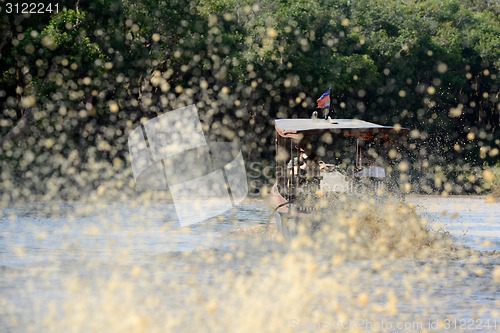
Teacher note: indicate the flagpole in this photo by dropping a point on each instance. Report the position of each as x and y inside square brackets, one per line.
[330, 104]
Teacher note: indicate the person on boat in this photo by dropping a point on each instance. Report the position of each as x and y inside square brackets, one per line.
[312, 165]
[299, 164]
[309, 171]
[305, 166]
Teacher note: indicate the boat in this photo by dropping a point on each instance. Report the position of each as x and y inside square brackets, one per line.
[330, 158]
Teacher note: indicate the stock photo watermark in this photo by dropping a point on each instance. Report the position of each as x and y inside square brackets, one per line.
[204, 179]
[431, 324]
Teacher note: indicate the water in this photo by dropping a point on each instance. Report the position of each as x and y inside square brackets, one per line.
[470, 219]
[128, 267]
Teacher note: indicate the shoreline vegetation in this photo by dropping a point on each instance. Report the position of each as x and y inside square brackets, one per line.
[75, 83]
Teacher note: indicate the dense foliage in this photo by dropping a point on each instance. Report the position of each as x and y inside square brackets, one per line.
[75, 83]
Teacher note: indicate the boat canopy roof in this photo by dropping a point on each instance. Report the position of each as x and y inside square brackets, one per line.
[291, 128]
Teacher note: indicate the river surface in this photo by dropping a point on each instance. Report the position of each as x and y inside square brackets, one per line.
[128, 267]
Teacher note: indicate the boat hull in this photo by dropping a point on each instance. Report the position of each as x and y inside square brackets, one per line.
[286, 225]
[291, 224]
[287, 217]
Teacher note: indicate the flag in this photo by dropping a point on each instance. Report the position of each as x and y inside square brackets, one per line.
[324, 100]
